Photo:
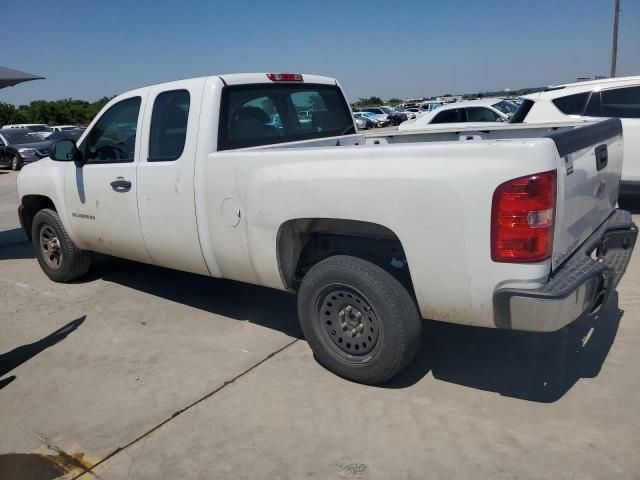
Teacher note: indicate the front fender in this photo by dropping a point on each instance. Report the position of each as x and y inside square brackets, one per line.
[46, 178]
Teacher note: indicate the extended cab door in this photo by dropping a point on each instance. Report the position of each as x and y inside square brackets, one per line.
[101, 194]
[166, 197]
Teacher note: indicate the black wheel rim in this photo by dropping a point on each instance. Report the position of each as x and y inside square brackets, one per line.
[348, 321]
[50, 247]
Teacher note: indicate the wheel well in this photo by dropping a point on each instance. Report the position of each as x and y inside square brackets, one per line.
[32, 204]
[304, 242]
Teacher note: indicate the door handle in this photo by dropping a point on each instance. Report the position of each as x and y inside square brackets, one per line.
[121, 184]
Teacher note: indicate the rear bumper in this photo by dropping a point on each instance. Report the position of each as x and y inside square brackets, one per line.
[582, 284]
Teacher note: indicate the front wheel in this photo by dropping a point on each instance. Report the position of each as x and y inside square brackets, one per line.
[360, 322]
[16, 163]
[57, 255]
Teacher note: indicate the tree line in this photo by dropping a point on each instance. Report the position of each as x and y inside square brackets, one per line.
[57, 112]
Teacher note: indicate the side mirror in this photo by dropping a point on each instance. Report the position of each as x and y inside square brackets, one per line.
[63, 151]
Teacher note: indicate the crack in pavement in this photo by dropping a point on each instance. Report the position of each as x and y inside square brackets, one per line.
[68, 458]
[182, 410]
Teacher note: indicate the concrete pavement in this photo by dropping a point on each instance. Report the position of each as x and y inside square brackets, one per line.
[143, 372]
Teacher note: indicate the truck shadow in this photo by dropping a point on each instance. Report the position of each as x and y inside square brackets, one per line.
[263, 306]
[539, 367]
[12, 236]
[15, 246]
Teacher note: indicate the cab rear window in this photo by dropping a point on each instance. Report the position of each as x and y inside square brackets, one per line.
[265, 114]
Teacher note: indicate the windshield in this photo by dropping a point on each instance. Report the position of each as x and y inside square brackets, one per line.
[385, 109]
[16, 137]
[73, 134]
[39, 128]
[505, 106]
[265, 114]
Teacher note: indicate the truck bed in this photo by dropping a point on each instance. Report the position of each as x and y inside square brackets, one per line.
[445, 134]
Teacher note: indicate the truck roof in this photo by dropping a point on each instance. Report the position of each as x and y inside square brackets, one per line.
[248, 78]
[243, 78]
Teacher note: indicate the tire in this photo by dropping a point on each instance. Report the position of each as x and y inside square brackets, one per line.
[359, 321]
[16, 163]
[51, 241]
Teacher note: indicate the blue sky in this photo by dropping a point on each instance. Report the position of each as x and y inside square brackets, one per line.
[91, 48]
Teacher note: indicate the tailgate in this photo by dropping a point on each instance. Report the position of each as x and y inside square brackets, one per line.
[587, 185]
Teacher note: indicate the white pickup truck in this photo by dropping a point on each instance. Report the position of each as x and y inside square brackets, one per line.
[513, 227]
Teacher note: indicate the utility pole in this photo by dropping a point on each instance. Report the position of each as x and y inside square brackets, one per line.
[614, 47]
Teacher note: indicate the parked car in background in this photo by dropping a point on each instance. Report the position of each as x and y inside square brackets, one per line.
[610, 97]
[305, 117]
[274, 121]
[363, 123]
[40, 128]
[403, 111]
[58, 128]
[508, 107]
[430, 106]
[413, 111]
[73, 134]
[472, 111]
[377, 119]
[19, 146]
[393, 117]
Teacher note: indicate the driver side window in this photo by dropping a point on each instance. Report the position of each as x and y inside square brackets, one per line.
[113, 138]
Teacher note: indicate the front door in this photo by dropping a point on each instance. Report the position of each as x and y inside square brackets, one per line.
[101, 194]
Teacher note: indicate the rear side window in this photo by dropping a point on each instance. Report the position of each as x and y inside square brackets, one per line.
[266, 114]
[621, 102]
[168, 125]
[456, 115]
[594, 106]
[572, 104]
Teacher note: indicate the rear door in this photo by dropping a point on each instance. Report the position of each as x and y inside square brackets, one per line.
[166, 198]
[588, 182]
[101, 194]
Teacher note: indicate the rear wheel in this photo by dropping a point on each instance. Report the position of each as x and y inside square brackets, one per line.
[57, 255]
[360, 322]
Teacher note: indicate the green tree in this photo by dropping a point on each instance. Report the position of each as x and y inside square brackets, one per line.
[7, 111]
[367, 102]
[67, 111]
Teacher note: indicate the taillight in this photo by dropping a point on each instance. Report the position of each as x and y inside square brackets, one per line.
[284, 77]
[523, 217]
